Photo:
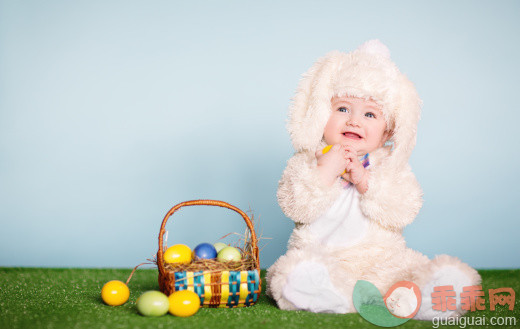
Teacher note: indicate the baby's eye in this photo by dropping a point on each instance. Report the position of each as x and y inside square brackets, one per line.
[370, 115]
[343, 109]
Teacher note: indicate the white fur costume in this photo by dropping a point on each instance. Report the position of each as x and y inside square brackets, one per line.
[318, 274]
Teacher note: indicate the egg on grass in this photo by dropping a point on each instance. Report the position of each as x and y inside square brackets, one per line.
[153, 303]
[184, 303]
[115, 293]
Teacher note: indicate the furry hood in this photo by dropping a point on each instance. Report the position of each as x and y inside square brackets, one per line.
[367, 72]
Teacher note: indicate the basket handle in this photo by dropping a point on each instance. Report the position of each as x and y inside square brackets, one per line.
[160, 259]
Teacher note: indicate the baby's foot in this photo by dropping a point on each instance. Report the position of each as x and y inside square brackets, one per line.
[309, 288]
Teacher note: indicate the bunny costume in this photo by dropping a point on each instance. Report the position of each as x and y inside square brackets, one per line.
[340, 235]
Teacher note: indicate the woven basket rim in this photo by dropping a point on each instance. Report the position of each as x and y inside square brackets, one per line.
[205, 202]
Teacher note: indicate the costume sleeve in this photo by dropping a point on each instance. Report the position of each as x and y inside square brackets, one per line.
[301, 195]
[393, 198]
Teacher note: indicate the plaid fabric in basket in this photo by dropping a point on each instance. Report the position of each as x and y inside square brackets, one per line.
[221, 289]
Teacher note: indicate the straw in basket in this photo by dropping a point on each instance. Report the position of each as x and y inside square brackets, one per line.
[216, 288]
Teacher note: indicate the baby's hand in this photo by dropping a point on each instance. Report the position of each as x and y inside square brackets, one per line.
[331, 164]
[355, 172]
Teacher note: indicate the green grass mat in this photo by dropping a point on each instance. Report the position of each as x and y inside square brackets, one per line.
[70, 298]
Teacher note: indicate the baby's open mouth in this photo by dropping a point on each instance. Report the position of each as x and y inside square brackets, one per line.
[351, 135]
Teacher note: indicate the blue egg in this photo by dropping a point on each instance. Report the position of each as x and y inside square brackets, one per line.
[205, 251]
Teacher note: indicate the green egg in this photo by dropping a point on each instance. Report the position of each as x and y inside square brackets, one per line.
[153, 303]
[228, 254]
[219, 246]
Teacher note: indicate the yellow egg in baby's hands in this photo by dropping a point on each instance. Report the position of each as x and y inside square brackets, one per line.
[326, 149]
[178, 254]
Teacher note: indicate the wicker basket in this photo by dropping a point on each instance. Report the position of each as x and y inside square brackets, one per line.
[215, 288]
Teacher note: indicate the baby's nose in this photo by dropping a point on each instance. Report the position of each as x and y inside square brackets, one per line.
[353, 121]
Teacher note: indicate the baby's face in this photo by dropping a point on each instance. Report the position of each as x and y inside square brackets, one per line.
[356, 122]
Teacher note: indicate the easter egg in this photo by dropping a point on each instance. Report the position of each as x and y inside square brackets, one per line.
[204, 251]
[229, 254]
[326, 149]
[153, 303]
[219, 246]
[178, 254]
[115, 293]
[184, 303]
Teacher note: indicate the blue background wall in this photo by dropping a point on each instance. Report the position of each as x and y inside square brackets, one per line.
[112, 112]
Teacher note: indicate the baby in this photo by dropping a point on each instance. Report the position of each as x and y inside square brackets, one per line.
[355, 128]
[351, 200]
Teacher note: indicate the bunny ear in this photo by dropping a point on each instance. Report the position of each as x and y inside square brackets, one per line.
[310, 108]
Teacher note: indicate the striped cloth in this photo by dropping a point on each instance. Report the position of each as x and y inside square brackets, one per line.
[222, 289]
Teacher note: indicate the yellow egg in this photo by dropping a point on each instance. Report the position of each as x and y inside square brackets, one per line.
[178, 254]
[326, 149]
[184, 303]
[115, 293]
